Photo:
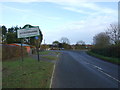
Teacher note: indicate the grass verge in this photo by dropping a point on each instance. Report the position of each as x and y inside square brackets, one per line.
[44, 52]
[27, 74]
[109, 59]
[50, 57]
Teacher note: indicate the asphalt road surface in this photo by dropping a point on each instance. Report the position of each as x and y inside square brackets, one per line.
[76, 69]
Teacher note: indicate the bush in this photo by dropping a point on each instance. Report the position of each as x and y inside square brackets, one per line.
[9, 52]
[110, 51]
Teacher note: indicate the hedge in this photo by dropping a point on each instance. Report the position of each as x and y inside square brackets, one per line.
[110, 51]
[9, 52]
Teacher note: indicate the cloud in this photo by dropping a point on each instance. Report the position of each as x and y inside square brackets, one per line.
[63, 1]
[53, 18]
[97, 19]
[87, 8]
[76, 10]
[14, 9]
[84, 29]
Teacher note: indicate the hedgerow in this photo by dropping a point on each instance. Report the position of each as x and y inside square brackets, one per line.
[110, 51]
[9, 52]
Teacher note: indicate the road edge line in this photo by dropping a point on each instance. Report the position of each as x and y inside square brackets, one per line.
[53, 74]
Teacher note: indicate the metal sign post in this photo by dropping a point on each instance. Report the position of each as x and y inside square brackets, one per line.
[29, 31]
[21, 50]
[37, 47]
[38, 54]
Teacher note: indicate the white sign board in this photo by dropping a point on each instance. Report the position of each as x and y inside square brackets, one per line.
[29, 32]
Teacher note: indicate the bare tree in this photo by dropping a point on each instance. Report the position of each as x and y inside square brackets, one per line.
[65, 40]
[114, 33]
[101, 40]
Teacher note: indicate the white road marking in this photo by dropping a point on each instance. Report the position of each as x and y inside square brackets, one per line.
[94, 66]
[101, 70]
[97, 67]
[53, 74]
[110, 76]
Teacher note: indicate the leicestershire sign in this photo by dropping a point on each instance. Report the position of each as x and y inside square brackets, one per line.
[28, 32]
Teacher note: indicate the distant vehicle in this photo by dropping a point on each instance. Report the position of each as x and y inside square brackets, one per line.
[61, 48]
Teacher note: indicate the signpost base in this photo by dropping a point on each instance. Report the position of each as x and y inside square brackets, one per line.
[38, 54]
[21, 50]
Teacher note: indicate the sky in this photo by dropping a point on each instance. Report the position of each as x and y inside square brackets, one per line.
[66, 18]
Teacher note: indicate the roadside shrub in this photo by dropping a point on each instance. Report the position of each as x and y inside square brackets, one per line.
[9, 52]
[110, 51]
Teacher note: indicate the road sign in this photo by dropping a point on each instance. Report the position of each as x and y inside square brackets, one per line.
[28, 32]
[36, 38]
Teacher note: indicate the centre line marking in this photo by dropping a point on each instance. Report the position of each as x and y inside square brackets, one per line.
[101, 70]
[97, 67]
[110, 76]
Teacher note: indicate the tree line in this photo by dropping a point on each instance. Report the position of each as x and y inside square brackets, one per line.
[64, 43]
[110, 36]
[107, 43]
[9, 35]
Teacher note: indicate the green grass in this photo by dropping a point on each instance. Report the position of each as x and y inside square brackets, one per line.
[44, 52]
[0, 52]
[27, 74]
[58, 53]
[109, 59]
[50, 57]
[48, 52]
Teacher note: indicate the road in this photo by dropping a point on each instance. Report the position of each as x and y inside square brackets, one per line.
[76, 69]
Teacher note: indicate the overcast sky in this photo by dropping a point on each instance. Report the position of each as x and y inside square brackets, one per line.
[69, 18]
